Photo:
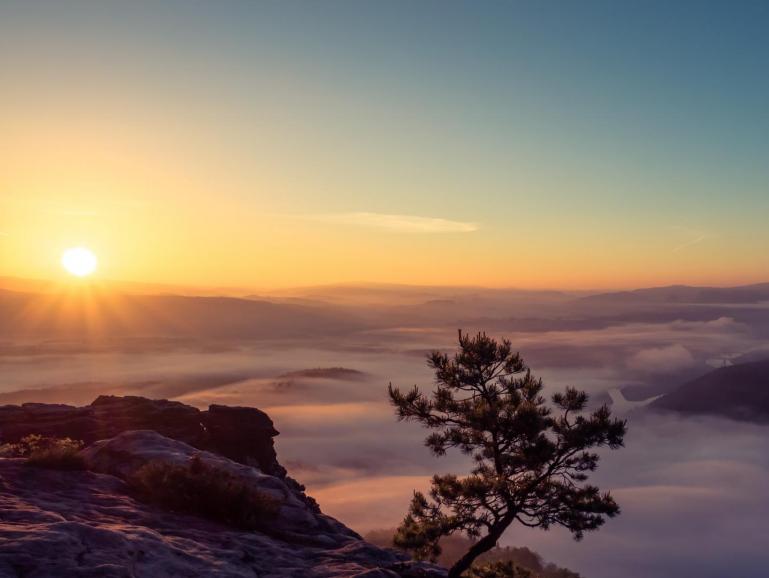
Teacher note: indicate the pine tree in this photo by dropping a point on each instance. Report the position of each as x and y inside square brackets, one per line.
[531, 458]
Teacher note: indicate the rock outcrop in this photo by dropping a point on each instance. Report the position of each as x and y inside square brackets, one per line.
[243, 434]
[296, 521]
[92, 523]
[62, 524]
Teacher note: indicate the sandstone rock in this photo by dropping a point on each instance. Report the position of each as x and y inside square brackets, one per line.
[242, 434]
[57, 524]
[124, 454]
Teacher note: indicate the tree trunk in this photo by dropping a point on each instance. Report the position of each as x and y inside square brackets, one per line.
[483, 545]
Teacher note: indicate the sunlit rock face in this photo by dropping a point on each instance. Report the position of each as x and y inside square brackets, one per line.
[90, 523]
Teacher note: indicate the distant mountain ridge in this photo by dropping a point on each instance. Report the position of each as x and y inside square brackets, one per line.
[738, 392]
[755, 293]
[85, 314]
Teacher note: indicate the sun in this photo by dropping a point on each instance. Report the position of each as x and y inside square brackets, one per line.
[79, 261]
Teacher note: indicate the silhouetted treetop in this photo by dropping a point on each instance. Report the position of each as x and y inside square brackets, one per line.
[531, 458]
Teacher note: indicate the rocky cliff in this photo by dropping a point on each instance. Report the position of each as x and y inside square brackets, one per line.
[243, 434]
[92, 523]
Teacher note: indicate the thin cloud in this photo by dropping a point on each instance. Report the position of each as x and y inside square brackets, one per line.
[398, 223]
[695, 238]
[689, 243]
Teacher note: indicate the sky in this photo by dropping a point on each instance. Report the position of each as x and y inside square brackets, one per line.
[273, 144]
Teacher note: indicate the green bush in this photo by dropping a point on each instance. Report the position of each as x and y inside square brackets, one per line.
[200, 489]
[46, 452]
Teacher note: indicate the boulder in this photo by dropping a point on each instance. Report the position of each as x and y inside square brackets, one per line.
[124, 454]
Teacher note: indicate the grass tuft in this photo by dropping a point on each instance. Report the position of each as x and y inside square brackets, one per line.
[46, 452]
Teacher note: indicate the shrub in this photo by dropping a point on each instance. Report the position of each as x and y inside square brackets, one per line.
[8, 451]
[46, 452]
[501, 569]
[200, 489]
[454, 546]
[63, 457]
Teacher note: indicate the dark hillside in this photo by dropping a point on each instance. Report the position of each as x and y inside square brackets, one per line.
[739, 392]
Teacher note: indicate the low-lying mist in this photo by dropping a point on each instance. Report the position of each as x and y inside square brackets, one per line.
[694, 491]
